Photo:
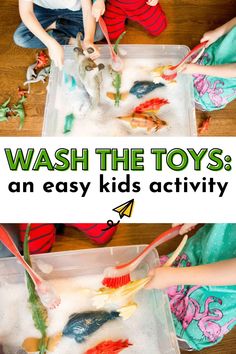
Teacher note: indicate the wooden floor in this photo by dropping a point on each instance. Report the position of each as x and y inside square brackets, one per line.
[188, 20]
[133, 234]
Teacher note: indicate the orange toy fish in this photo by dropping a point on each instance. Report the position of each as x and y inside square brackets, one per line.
[144, 120]
[109, 347]
[152, 105]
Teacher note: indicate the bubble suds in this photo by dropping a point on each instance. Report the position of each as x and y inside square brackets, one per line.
[16, 322]
[102, 121]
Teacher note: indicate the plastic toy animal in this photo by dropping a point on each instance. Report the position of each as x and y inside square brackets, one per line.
[22, 92]
[69, 81]
[142, 88]
[159, 74]
[4, 109]
[81, 325]
[116, 83]
[31, 73]
[204, 126]
[19, 111]
[109, 347]
[89, 73]
[152, 105]
[144, 120]
[32, 345]
[41, 76]
[115, 296]
[69, 120]
[42, 60]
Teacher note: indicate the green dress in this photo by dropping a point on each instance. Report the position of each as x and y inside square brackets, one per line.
[203, 315]
[214, 93]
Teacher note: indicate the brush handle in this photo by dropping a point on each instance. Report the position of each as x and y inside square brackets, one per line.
[106, 35]
[118, 64]
[200, 47]
[6, 239]
[164, 237]
[177, 252]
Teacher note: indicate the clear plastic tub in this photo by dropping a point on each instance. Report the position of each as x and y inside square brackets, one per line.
[159, 327]
[179, 114]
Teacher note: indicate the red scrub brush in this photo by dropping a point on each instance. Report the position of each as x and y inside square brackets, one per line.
[115, 277]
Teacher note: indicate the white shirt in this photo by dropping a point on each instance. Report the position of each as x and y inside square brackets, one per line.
[73, 5]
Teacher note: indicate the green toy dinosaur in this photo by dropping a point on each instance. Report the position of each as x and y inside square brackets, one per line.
[39, 312]
[4, 109]
[19, 111]
[116, 82]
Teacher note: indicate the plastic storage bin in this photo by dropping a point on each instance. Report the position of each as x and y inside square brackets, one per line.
[179, 114]
[88, 262]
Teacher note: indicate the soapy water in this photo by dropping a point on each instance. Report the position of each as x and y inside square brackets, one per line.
[16, 322]
[102, 121]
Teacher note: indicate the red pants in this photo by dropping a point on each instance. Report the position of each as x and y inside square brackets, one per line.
[43, 236]
[152, 18]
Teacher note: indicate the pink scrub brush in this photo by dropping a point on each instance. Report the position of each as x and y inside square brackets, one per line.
[115, 277]
[191, 57]
[117, 63]
[44, 290]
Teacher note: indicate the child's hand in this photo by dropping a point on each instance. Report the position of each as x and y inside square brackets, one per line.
[161, 278]
[185, 228]
[152, 2]
[211, 36]
[56, 53]
[90, 45]
[98, 9]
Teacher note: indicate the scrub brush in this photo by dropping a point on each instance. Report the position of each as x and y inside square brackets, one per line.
[115, 277]
[44, 289]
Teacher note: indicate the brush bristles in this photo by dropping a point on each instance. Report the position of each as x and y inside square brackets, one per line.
[117, 282]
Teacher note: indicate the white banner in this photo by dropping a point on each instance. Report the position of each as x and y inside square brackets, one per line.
[84, 179]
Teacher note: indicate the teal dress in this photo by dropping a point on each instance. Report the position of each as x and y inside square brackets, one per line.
[214, 93]
[204, 314]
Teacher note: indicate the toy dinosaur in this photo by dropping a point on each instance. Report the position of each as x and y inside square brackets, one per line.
[22, 92]
[19, 111]
[88, 72]
[41, 76]
[42, 60]
[116, 82]
[4, 109]
[39, 312]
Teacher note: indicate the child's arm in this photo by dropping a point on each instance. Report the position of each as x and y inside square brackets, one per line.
[222, 71]
[215, 274]
[89, 28]
[27, 15]
[98, 9]
[212, 36]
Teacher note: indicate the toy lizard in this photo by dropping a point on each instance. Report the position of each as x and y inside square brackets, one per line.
[4, 109]
[19, 111]
[117, 76]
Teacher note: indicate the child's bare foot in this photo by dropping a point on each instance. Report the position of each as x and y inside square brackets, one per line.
[72, 41]
[52, 26]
